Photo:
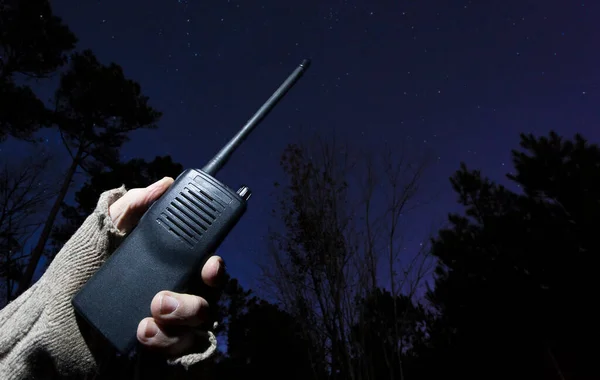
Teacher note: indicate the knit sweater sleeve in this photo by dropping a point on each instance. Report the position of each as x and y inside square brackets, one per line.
[39, 333]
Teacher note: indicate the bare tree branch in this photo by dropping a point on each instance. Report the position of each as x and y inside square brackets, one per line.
[24, 193]
[342, 215]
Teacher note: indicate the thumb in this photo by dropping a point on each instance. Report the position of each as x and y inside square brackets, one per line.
[127, 210]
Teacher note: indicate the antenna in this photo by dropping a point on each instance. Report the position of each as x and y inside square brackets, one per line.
[219, 160]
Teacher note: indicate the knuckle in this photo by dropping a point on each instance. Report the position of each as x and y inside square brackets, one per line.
[193, 306]
[192, 310]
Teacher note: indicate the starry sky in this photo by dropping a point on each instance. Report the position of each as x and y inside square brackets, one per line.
[458, 80]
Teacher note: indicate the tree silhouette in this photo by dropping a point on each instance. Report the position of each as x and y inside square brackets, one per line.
[263, 340]
[33, 43]
[96, 109]
[24, 193]
[516, 277]
[334, 238]
[389, 329]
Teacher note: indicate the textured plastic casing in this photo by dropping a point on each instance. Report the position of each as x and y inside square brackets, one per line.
[170, 244]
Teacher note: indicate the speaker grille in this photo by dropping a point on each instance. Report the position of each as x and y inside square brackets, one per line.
[190, 214]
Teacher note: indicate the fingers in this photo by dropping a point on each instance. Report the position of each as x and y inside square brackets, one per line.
[171, 341]
[153, 192]
[179, 309]
[213, 272]
[175, 315]
[127, 210]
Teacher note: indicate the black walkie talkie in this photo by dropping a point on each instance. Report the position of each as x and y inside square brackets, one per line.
[170, 243]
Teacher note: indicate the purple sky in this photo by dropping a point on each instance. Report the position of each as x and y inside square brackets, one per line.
[458, 83]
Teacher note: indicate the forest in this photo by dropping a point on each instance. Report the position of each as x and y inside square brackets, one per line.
[513, 273]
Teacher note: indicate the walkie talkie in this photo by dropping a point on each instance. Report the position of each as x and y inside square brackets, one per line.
[170, 243]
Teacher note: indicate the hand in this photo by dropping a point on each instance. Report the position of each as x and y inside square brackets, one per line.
[174, 315]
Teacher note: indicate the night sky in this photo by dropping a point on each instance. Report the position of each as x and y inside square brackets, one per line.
[458, 82]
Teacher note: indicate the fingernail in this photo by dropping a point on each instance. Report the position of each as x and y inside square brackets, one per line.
[168, 305]
[150, 330]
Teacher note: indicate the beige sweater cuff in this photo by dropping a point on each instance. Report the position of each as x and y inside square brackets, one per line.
[39, 334]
